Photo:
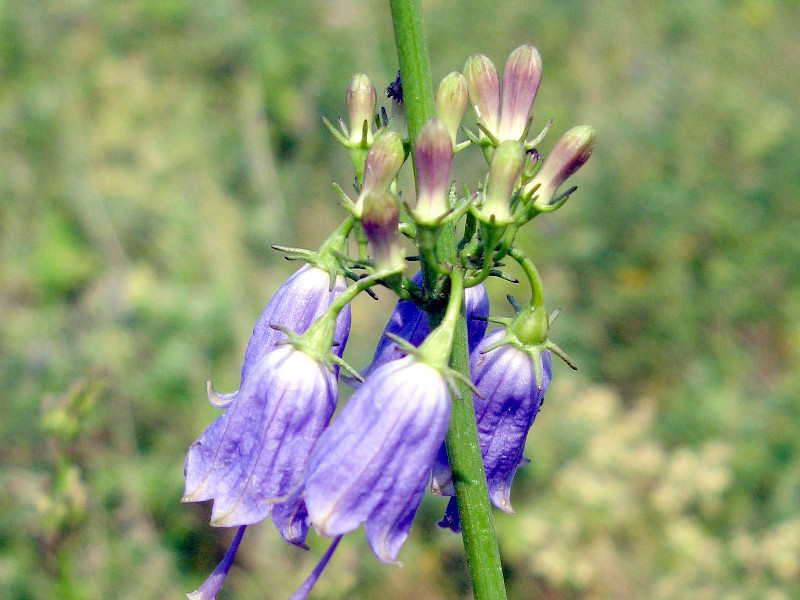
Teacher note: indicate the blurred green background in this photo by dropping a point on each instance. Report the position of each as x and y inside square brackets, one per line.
[152, 150]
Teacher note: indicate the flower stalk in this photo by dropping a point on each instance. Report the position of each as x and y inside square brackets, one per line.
[463, 447]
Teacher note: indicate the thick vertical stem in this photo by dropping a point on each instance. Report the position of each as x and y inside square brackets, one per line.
[463, 447]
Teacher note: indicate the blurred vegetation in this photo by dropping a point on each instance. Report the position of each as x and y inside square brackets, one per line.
[152, 150]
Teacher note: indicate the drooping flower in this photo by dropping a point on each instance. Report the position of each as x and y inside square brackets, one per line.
[301, 300]
[409, 322]
[254, 455]
[510, 399]
[373, 462]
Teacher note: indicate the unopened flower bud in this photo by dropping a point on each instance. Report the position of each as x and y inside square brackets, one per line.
[570, 153]
[451, 102]
[385, 157]
[484, 90]
[361, 98]
[504, 173]
[433, 157]
[521, 77]
[380, 218]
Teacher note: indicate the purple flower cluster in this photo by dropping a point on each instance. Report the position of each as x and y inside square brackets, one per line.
[272, 452]
[276, 451]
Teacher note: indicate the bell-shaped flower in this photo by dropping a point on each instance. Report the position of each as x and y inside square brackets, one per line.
[301, 300]
[570, 154]
[372, 464]
[509, 400]
[255, 454]
[410, 323]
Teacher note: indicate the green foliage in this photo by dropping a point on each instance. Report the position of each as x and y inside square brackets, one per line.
[150, 152]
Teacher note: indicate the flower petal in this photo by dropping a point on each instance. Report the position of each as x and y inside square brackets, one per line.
[256, 452]
[372, 464]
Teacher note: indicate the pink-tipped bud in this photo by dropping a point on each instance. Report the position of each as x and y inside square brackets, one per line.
[570, 153]
[504, 173]
[433, 157]
[361, 99]
[484, 90]
[451, 102]
[521, 77]
[384, 159]
[380, 219]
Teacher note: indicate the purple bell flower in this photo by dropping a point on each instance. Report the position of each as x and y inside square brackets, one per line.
[509, 402]
[254, 455]
[373, 463]
[302, 299]
[409, 322]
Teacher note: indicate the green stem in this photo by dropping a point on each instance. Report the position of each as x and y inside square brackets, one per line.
[537, 288]
[463, 447]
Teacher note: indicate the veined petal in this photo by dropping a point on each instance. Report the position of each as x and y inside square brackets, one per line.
[509, 402]
[302, 299]
[291, 518]
[506, 378]
[256, 452]
[372, 464]
[389, 525]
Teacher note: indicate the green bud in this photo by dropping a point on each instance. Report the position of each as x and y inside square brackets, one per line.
[570, 153]
[451, 102]
[484, 90]
[384, 159]
[504, 173]
[361, 98]
[380, 219]
[433, 157]
[521, 77]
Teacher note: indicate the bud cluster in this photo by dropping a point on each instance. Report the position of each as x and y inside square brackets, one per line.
[276, 451]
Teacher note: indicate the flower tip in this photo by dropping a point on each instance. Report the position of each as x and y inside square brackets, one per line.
[522, 75]
[361, 99]
[452, 97]
[218, 400]
[384, 159]
[484, 89]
